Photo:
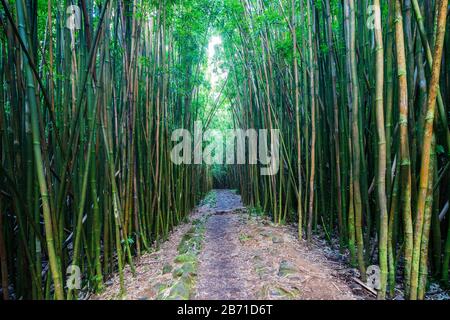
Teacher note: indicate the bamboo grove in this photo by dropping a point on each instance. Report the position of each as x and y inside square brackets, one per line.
[86, 178]
[359, 90]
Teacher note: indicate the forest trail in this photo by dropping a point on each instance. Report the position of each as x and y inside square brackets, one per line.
[225, 253]
[220, 264]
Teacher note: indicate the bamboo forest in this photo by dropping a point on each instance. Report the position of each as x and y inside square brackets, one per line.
[355, 94]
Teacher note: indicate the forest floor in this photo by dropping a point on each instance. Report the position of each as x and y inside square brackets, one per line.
[225, 253]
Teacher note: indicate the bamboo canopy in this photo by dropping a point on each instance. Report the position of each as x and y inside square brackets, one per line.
[93, 90]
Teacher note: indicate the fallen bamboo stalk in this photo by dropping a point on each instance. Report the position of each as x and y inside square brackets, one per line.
[362, 284]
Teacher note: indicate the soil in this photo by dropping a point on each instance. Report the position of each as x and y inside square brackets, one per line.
[242, 256]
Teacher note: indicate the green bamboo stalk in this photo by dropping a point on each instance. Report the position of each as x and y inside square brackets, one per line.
[31, 95]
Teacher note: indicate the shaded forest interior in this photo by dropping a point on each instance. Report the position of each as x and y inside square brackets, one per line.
[92, 91]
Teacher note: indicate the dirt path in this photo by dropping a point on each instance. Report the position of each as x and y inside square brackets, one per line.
[220, 274]
[247, 257]
[225, 253]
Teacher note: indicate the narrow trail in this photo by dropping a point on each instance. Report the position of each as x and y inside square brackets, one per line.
[226, 253]
[219, 276]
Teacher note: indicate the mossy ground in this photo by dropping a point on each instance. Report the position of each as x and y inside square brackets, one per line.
[225, 251]
[185, 265]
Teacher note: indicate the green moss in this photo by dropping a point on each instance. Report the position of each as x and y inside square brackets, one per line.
[283, 293]
[167, 268]
[286, 269]
[189, 268]
[186, 257]
[244, 237]
[185, 274]
[210, 199]
[190, 242]
[180, 291]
